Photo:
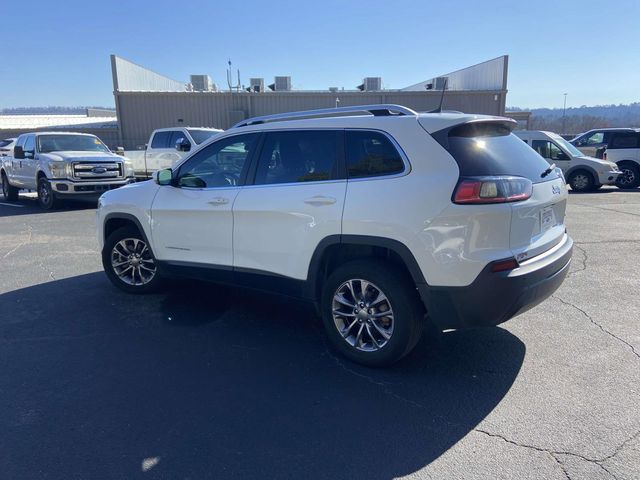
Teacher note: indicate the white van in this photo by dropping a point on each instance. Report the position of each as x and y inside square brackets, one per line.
[582, 173]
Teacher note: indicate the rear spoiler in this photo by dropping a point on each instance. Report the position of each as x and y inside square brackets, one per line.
[471, 128]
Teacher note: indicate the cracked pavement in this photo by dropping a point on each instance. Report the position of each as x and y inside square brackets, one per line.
[203, 381]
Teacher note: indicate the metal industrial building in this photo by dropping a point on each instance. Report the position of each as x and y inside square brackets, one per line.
[146, 100]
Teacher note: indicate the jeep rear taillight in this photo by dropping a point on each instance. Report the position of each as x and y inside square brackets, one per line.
[499, 189]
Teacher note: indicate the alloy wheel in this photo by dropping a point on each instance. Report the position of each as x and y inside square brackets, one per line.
[580, 181]
[627, 178]
[363, 315]
[132, 261]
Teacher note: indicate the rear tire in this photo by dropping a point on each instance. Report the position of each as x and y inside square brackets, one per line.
[129, 262]
[355, 321]
[46, 196]
[630, 177]
[581, 181]
[10, 193]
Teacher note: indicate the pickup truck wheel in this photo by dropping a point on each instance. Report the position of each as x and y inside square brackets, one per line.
[129, 262]
[46, 196]
[581, 181]
[371, 312]
[10, 193]
[630, 177]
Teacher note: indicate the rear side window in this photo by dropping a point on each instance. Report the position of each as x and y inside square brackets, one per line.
[624, 140]
[161, 140]
[370, 154]
[298, 156]
[484, 149]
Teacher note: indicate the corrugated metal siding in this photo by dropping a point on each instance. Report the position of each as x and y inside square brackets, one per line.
[142, 112]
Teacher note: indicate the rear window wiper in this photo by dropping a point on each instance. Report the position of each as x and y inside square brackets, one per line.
[551, 168]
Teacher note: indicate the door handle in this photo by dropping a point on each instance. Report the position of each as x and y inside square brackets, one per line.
[219, 201]
[320, 200]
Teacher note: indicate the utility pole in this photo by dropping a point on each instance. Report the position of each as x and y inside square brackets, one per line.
[564, 111]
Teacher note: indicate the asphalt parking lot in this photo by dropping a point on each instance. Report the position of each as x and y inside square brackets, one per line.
[206, 382]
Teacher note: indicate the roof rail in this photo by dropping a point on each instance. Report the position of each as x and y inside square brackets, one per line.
[376, 110]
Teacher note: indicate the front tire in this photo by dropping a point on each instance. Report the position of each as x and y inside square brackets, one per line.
[371, 312]
[581, 181]
[630, 177]
[129, 262]
[46, 196]
[10, 193]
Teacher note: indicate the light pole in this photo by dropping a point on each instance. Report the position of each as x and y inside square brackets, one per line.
[564, 110]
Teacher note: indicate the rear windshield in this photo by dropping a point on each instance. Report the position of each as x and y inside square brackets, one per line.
[491, 149]
[4, 143]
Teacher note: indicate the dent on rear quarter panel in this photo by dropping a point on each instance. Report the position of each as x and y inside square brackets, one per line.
[409, 209]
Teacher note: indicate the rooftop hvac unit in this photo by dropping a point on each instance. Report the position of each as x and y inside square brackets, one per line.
[333, 89]
[202, 83]
[256, 85]
[372, 84]
[440, 83]
[282, 84]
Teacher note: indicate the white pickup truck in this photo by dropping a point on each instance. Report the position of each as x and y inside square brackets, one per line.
[62, 165]
[166, 146]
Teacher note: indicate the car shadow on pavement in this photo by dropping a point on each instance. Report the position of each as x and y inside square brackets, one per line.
[28, 205]
[211, 382]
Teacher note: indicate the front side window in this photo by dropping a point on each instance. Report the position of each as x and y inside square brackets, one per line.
[221, 164]
[548, 150]
[371, 154]
[176, 137]
[70, 143]
[30, 144]
[298, 156]
[595, 139]
[161, 140]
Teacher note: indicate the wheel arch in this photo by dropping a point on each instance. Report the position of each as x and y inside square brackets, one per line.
[628, 160]
[337, 249]
[114, 221]
[586, 168]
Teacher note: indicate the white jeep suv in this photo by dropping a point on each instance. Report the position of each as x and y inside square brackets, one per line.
[383, 217]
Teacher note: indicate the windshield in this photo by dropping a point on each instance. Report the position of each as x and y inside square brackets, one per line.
[4, 143]
[200, 136]
[70, 143]
[573, 151]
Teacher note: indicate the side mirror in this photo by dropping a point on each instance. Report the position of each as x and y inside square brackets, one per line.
[18, 153]
[183, 145]
[119, 151]
[163, 177]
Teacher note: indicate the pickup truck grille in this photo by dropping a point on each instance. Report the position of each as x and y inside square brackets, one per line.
[97, 170]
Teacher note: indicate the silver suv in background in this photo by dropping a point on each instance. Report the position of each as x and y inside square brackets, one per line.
[594, 142]
[624, 150]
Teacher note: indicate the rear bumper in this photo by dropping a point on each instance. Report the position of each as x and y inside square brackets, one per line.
[494, 298]
[66, 187]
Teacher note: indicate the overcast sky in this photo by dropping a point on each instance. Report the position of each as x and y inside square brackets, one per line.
[57, 52]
